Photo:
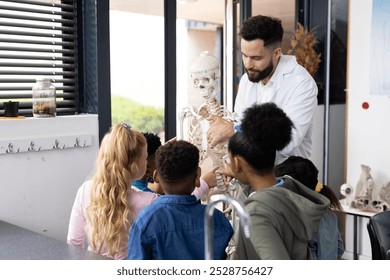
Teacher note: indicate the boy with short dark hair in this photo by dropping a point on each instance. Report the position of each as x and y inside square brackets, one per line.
[154, 142]
[172, 227]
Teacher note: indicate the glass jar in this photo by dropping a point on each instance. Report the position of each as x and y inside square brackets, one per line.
[44, 98]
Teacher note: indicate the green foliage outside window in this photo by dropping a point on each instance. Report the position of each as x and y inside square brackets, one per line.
[141, 117]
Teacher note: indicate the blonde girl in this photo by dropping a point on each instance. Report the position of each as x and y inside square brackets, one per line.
[106, 206]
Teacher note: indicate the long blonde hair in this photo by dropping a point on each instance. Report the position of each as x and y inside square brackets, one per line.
[108, 214]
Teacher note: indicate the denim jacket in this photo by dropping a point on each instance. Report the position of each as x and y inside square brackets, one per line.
[172, 228]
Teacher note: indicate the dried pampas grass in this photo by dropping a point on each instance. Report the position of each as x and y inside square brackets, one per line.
[302, 46]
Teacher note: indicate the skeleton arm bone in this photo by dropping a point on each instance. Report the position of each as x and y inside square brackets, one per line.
[184, 113]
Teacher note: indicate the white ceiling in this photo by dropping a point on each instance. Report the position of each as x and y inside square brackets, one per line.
[200, 10]
[211, 11]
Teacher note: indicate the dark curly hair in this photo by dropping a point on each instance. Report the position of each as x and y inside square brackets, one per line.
[304, 170]
[301, 169]
[265, 129]
[268, 29]
[153, 141]
[177, 160]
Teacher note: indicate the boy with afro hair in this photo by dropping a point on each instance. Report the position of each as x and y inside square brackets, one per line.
[172, 227]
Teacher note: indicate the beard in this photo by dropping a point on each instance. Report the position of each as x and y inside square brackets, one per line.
[256, 76]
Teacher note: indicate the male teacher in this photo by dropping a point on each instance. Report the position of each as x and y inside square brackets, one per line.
[271, 77]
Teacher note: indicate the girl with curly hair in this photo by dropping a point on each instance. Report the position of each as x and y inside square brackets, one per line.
[106, 206]
[284, 214]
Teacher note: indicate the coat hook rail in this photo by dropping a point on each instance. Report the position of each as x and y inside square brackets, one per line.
[45, 143]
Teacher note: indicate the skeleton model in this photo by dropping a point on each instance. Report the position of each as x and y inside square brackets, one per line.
[205, 76]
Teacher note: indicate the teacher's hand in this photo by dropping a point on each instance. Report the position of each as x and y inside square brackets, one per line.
[220, 131]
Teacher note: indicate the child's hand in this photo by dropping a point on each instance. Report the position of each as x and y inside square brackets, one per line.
[227, 172]
[210, 177]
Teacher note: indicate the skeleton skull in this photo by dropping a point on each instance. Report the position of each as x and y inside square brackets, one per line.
[205, 75]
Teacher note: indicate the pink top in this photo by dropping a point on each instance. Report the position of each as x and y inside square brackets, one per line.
[137, 200]
[202, 190]
[77, 223]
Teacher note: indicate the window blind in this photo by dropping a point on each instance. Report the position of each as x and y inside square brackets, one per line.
[38, 39]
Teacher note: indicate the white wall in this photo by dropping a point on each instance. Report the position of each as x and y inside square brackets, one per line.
[367, 141]
[367, 133]
[37, 189]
